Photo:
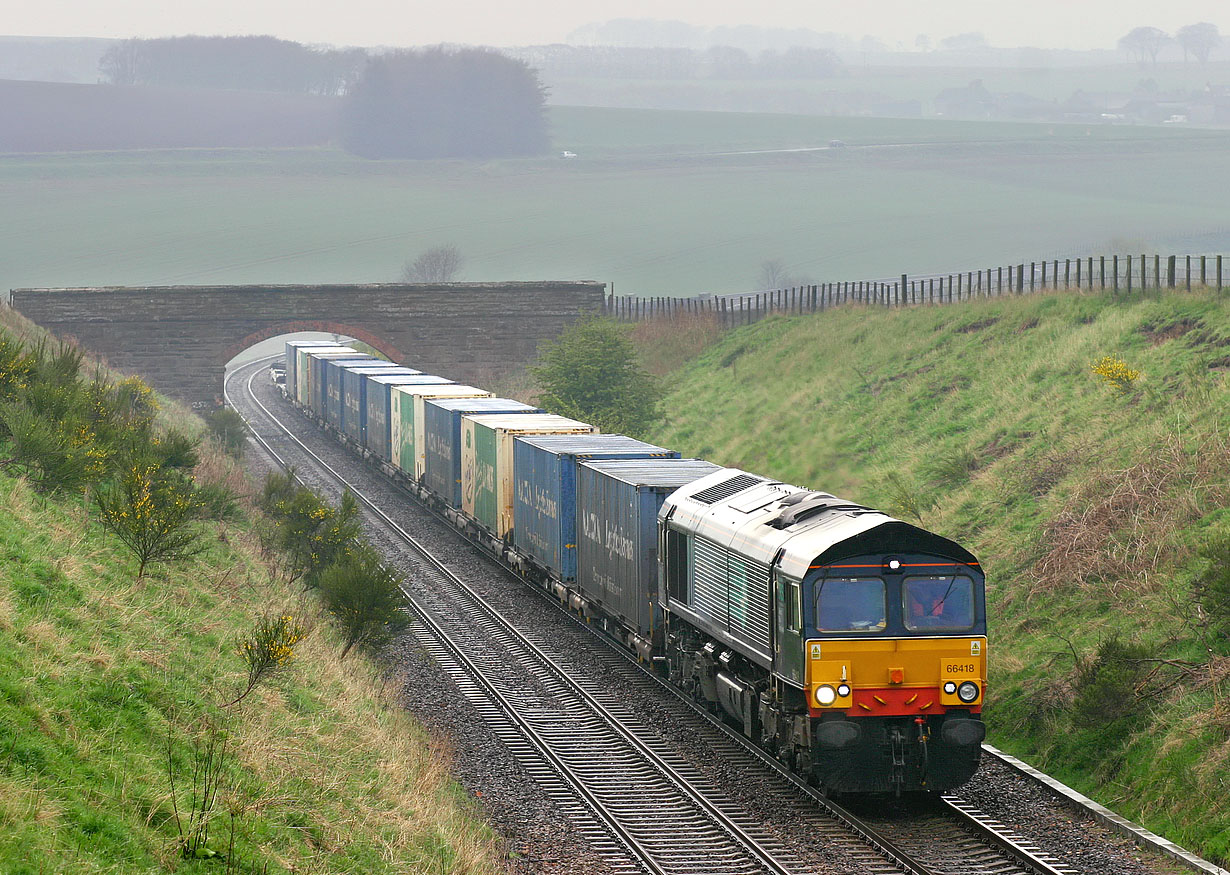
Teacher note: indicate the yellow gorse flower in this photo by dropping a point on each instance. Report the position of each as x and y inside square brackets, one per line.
[1115, 372]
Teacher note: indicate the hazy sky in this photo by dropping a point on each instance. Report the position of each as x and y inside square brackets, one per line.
[1046, 23]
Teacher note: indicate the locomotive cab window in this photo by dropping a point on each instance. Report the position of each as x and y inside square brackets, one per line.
[793, 592]
[851, 604]
[938, 603]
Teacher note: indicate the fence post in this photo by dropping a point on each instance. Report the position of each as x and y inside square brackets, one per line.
[1067, 272]
[1031, 281]
[1115, 289]
[1204, 273]
[1170, 267]
[1219, 274]
[1129, 273]
[1102, 262]
[1078, 272]
[1020, 277]
[1157, 271]
[1055, 274]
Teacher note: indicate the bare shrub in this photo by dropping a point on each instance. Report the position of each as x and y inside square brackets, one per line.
[439, 264]
[1116, 530]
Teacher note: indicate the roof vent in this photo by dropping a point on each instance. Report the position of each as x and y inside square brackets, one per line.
[721, 491]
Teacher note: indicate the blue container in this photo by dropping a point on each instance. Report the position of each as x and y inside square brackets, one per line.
[545, 491]
[617, 532]
[354, 394]
[327, 386]
[442, 430]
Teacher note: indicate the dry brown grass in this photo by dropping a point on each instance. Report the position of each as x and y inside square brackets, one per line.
[668, 343]
[1116, 531]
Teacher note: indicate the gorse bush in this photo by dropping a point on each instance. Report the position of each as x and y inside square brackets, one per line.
[1106, 684]
[68, 431]
[312, 533]
[363, 593]
[228, 427]
[268, 650]
[153, 511]
[1114, 372]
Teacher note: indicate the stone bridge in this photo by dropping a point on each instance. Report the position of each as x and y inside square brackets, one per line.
[179, 338]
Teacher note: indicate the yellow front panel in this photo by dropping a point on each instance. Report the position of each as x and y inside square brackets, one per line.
[923, 661]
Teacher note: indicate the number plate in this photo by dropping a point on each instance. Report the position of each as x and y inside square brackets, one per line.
[959, 669]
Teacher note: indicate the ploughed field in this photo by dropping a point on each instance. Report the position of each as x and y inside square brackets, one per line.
[657, 202]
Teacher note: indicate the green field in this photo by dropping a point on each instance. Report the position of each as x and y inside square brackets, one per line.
[647, 205]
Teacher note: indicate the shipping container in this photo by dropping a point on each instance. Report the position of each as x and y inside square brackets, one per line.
[298, 371]
[354, 394]
[407, 441]
[617, 532]
[306, 368]
[378, 436]
[292, 359]
[332, 385]
[442, 442]
[321, 384]
[545, 491]
[487, 462]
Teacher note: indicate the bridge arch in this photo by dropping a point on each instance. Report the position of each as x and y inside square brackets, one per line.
[323, 325]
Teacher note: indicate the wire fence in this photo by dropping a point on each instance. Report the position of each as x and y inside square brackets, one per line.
[1118, 274]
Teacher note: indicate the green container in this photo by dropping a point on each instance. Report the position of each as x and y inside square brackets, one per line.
[487, 462]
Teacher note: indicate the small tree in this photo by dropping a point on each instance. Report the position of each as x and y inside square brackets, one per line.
[153, 511]
[592, 373]
[440, 264]
[364, 595]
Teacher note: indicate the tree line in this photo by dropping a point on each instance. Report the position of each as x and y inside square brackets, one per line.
[1197, 41]
[258, 63]
[428, 103]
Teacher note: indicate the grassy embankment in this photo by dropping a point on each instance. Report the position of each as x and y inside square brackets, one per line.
[323, 771]
[1088, 506]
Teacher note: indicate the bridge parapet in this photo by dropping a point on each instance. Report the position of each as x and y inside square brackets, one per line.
[180, 337]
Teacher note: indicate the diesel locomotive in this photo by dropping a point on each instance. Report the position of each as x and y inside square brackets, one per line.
[850, 644]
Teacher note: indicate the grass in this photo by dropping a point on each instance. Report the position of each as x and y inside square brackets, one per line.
[638, 208]
[105, 681]
[1085, 503]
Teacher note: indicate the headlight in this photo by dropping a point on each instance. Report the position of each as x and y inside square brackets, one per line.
[843, 690]
[950, 687]
[967, 692]
[825, 696]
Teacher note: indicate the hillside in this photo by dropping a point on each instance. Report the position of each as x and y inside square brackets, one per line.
[1089, 504]
[114, 692]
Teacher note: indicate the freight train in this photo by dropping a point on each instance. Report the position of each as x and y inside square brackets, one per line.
[851, 645]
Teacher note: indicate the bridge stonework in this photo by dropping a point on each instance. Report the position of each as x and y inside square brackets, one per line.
[179, 338]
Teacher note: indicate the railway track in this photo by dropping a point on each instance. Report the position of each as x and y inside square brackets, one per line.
[642, 805]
